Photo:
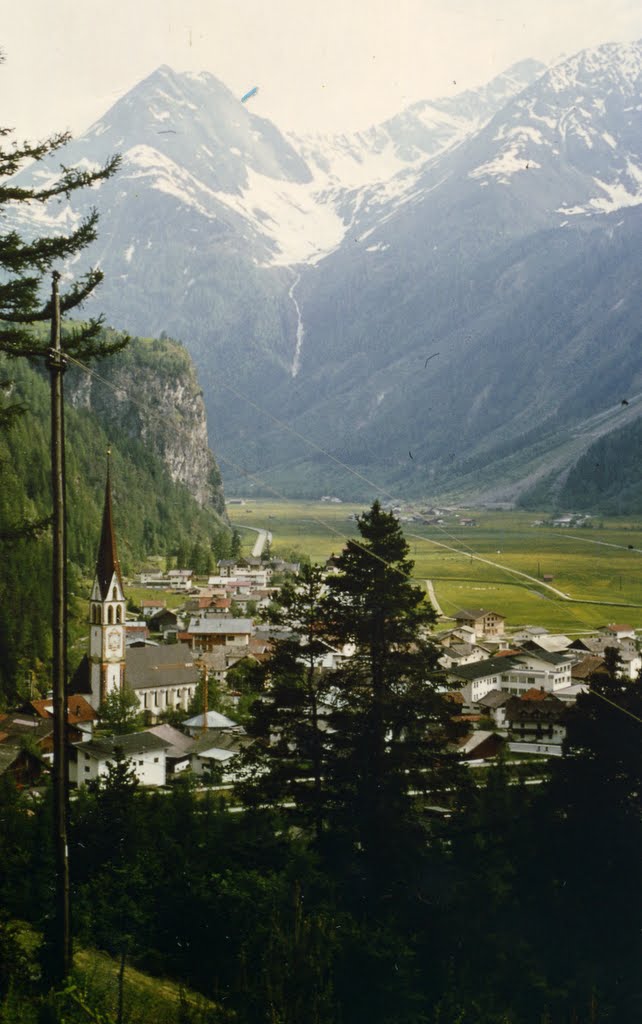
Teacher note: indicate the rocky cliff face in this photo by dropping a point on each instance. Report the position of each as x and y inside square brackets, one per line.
[149, 394]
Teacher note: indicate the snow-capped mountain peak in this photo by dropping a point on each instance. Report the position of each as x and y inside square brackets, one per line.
[580, 125]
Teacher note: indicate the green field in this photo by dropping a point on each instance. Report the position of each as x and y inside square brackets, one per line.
[599, 568]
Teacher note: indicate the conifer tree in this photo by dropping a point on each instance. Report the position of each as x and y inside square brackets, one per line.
[287, 759]
[25, 262]
[352, 746]
[592, 818]
[390, 721]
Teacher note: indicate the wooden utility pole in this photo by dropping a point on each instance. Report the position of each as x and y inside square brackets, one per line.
[205, 699]
[62, 952]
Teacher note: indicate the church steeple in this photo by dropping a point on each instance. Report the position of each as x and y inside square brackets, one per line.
[107, 611]
[107, 563]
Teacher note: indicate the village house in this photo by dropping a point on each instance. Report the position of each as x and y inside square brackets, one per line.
[151, 578]
[244, 568]
[144, 753]
[485, 623]
[215, 754]
[23, 767]
[513, 673]
[22, 729]
[480, 745]
[220, 659]
[461, 654]
[619, 631]
[136, 630]
[164, 620]
[590, 664]
[80, 714]
[149, 607]
[180, 579]
[220, 631]
[553, 643]
[625, 648]
[536, 723]
[493, 705]
[459, 635]
[178, 750]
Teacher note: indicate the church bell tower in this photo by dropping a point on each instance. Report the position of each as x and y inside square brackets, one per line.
[107, 614]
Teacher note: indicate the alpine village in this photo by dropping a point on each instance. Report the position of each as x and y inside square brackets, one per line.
[252, 776]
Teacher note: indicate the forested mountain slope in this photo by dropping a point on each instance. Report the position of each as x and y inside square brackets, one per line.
[145, 404]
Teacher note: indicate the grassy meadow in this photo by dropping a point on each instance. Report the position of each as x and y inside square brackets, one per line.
[599, 568]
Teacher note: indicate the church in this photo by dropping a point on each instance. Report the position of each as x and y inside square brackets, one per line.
[163, 677]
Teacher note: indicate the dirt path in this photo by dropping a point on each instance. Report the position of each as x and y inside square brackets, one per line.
[433, 598]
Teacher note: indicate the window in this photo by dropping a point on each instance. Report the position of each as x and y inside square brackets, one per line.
[110, 614]
[140, 763]
[119, 614]
[155, 760]
[87, 768]
[114, 594]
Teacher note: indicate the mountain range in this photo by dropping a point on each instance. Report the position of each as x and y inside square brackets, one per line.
[446, 303]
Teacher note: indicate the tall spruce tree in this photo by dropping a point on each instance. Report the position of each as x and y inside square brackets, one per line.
[390, 721]
[353, 747]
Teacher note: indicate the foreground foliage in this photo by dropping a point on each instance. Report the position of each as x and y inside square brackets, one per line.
[503, 924]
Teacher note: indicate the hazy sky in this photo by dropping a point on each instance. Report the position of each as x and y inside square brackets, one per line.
[319, 64]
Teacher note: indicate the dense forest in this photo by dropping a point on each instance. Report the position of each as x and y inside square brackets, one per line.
[605, 479]
[153, 515]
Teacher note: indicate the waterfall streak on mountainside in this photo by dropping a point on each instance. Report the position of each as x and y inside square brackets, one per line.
[300, 331]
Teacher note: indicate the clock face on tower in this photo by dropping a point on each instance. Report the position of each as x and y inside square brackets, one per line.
[114, 641]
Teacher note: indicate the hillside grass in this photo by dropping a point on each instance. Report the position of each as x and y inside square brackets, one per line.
[145, 997]
[599, 564]
[92, 992]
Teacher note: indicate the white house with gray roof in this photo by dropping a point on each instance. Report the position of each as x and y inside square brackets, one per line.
[144, 752]
[514, 673]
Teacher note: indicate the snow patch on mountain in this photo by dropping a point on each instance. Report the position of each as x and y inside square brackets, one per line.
[617, 63]
[616, 194]
[167, 176]
[299, 228]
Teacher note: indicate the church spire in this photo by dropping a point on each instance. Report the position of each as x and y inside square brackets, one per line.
[107, 563]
